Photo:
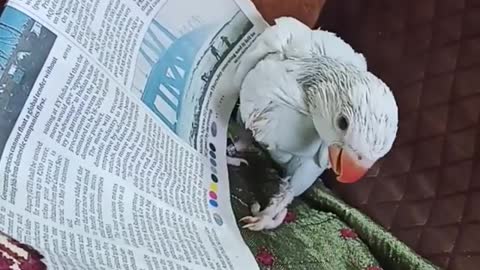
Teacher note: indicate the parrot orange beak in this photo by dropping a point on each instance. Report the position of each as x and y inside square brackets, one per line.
[347, 166]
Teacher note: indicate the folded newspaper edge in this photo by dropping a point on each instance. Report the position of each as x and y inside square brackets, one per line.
[113, 119]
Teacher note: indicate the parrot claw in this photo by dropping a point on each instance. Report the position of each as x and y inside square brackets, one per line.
[249, 220]
[263, 222]
[273, 215]
[255, 227]
[255, 223]
[237, 162]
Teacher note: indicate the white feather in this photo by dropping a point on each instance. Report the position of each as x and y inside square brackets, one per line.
[295, 83]
[291, 38]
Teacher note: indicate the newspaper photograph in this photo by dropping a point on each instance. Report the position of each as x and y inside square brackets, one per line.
[24, 47]
[178, 59]
[114, 119]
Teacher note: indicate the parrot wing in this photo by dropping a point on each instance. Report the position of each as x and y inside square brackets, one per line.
[292, 39]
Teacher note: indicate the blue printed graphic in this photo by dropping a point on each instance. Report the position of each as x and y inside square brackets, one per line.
[24, 48]
[168, 78]
[176, 67]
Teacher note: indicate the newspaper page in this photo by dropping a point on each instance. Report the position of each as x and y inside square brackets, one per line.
[113, 117]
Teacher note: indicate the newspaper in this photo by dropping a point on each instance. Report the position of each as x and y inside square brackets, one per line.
[113, 118]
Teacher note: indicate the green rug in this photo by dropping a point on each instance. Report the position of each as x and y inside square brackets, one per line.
[320, 231]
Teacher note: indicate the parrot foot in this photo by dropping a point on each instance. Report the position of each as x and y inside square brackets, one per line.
[240, 144]
[231, 150]
[273, 215]
[263, 222]
[237, 162]
[255, 208]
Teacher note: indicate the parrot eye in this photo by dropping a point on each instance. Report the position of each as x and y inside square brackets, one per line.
[342, 123]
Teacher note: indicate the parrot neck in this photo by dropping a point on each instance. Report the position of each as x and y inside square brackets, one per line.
[287, 91]
[326, 83]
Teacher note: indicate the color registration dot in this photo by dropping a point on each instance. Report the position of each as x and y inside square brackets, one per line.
[214, 187]
[214, 178]
[212, 154]
[213, 162]
[213, 129]
[218, 219]
[212, 147]
[213, 203]
[213, 195]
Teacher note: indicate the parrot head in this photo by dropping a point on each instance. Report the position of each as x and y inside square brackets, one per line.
[355, 113]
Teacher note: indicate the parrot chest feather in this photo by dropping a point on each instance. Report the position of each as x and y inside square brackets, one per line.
[294, 132]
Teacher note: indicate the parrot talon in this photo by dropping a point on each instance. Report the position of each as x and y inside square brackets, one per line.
[237, 162]
[256, 223]
[249, 219]
[253, 227]
[263, 222]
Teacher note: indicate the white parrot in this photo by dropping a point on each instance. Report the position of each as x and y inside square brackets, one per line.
[308, 98]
